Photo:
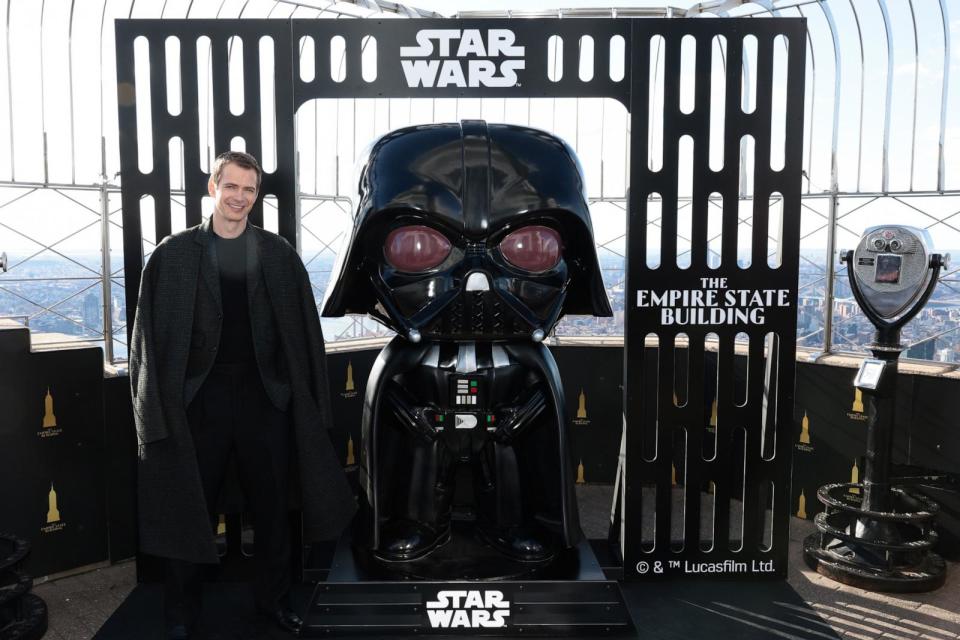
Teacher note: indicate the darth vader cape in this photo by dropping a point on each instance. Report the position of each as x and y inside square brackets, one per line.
[548, 448]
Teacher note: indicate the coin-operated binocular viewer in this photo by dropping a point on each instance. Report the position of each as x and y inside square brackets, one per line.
[884, 543]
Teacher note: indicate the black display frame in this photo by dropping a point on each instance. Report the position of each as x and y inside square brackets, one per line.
[738, 425]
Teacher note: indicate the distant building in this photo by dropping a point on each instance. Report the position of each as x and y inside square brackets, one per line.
[923, 350]
[92, 313]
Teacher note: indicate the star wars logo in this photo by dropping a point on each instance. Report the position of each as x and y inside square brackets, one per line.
[472, 609]
[462, 58]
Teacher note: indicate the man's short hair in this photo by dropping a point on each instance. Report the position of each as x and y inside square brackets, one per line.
[239, 158]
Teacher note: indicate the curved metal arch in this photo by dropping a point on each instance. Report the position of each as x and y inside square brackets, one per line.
[885, 176]
[916, 86]
[43, 100]
[73, 141]
[813, 95]
[856, 19]
[834, 182]
[13, 165]
[103, 124]
[944, 92]
[837, 81]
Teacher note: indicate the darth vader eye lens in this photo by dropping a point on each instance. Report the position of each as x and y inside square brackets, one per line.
[415, 248]
[535, 248]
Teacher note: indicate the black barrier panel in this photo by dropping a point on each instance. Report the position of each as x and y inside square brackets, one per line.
[594, 397]
[595, 405]
[510, 58]
[120, 466]
[348, 372]
[51, 454]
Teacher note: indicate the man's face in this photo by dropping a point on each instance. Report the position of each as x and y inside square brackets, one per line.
[236, 193]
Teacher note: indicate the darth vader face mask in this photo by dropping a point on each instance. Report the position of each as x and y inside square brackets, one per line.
[470, 232]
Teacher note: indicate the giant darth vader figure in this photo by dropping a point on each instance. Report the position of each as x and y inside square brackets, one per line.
[471, 240]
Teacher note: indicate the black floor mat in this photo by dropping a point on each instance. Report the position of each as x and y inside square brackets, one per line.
[722, 610]
[228, 614]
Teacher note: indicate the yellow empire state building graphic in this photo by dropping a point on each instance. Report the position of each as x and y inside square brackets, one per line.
[53, 514]
[857, 402]
[49, 419]
[349, 386]
[802, 506]
[582, 407]
[351, 459]
[805, 429]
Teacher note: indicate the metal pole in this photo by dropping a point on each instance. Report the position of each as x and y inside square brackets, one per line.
[831, 272]
[298, 221]
[105, 266]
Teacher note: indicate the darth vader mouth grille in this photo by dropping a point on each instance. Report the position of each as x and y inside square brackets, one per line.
[476, 311]
[496, 316]
[479, 314]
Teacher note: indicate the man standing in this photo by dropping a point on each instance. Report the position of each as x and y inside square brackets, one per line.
[227, 361]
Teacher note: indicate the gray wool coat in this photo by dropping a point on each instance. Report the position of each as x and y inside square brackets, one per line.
[177, 327]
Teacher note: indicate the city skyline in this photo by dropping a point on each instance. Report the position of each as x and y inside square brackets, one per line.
[76, 306]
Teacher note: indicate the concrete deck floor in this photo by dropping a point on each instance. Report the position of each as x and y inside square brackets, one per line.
[80, 604]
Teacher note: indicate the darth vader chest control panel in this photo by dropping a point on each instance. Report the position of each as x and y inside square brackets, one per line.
[471, 388]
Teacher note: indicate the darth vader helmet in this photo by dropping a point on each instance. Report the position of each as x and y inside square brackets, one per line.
[470, 231]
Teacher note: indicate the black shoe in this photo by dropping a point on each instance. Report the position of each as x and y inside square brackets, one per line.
[178, 632]
[285, 618]
[518, 543]
[405, 540]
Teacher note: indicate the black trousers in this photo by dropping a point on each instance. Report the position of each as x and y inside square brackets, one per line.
[232, 416]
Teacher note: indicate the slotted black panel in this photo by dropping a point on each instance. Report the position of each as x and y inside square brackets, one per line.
[657, 426]
[661, 437]
[532, 81]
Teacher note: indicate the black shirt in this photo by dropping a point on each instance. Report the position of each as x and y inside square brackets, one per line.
[236, 338]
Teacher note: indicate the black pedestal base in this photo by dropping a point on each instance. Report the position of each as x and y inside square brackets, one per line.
[570, 597]
[841, 562]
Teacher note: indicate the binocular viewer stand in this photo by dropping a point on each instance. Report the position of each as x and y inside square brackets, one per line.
[23, 615]
[884, 542]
